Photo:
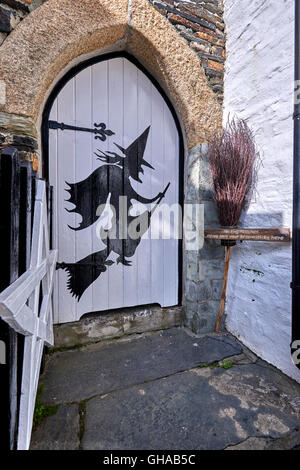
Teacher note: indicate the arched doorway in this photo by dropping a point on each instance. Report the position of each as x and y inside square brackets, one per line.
[32, 65]
[109, 131]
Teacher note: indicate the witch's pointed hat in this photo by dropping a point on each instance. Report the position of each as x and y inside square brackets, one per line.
[135, 155]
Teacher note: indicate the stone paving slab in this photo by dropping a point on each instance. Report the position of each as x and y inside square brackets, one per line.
[197, 410]
[73, 376]
[59, 431]
[158, 392]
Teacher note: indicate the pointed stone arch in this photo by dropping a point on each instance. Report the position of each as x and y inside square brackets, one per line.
[53, 37]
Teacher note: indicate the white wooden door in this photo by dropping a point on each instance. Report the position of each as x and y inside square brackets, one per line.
[135, 154]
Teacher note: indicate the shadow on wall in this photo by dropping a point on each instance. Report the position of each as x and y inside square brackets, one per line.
[259, 278]
[258, 307]
[260, 263]
[269, 220]
[258, 303]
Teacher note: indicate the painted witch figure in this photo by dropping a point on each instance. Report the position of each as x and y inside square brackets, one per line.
[90, 196]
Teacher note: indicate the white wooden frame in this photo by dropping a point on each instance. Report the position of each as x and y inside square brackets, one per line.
[20, 308]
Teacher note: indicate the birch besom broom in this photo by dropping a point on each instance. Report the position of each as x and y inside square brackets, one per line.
[233, 162]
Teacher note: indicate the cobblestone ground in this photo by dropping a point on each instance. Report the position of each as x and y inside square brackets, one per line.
[166, 390]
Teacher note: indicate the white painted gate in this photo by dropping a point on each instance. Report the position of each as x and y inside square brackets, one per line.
[137, 151]
[26, 306]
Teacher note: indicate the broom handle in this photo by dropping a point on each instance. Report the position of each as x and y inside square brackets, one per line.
[223, 298]
[159, 200]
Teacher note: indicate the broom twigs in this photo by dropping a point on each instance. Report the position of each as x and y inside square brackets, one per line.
[233, 165]
[233, 161]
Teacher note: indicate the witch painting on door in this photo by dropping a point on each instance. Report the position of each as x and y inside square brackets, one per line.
[113, 179]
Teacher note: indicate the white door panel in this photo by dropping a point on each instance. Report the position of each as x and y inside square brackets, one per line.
[94, 275]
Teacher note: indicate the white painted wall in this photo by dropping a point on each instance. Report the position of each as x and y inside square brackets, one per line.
[259, 88]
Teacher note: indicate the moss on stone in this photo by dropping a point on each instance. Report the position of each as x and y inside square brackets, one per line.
[224, 365]
[41, 411]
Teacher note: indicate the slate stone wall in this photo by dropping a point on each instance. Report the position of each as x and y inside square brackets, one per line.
[14, 131]
[204, 268]
[201, 24]
[19, 132]
[12, 12]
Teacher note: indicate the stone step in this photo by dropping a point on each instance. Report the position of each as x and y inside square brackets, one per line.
[164, 390]
[115, 324]
[76, 375]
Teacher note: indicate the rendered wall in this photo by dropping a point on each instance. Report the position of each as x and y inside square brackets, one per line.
[259, 88]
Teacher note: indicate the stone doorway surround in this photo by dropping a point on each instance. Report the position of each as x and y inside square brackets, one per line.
[55, 37]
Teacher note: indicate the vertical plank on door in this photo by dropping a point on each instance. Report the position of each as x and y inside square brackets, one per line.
[100, 114]
[66, 173]
[157, 183]
[130, 134]
[144, 121]
[83, 168]
[115, 122]
[170, 243]
[53, 177]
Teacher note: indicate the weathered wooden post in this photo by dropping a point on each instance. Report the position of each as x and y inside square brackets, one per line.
[10, 191]
[229, 237]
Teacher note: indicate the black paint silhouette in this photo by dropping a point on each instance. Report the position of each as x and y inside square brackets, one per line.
[91, 194]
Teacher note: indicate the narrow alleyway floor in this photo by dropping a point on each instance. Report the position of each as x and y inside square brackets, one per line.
[166, 390]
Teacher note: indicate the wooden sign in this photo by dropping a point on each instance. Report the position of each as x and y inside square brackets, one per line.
[250, 234]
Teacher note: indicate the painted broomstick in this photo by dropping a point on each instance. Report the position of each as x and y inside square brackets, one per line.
[159, 200]
[223, 296]
[233, 164]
